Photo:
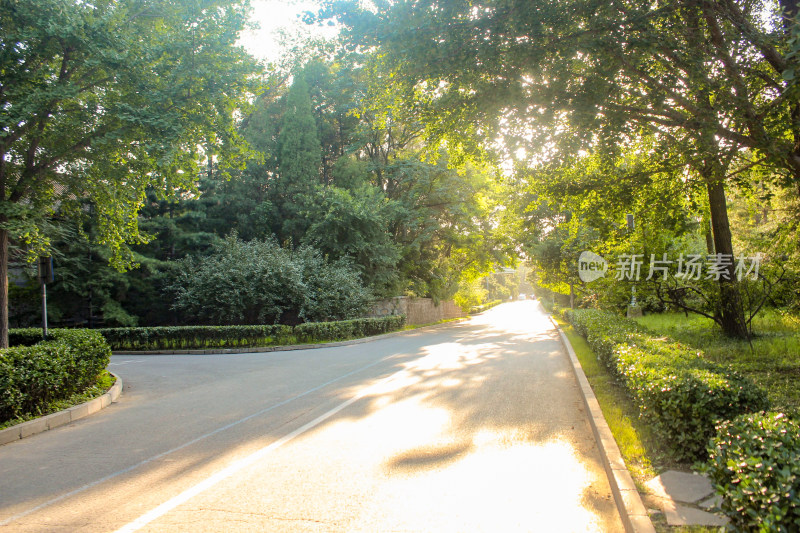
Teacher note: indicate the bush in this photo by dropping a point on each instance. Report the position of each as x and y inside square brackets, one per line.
[33, 376]
[348, 329]
[178, 337]
[754, 462]
[682, 395]
[260, 282]
[192, 337]
[481, 308]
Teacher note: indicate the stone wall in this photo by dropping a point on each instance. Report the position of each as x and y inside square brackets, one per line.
[417, 310]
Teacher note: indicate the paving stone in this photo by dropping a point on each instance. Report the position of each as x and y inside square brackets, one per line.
[680, 515]
[712, 503]
[680, 486]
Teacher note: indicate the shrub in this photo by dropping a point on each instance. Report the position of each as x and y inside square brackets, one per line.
[188, 337]
[481, 308]
[260, 282]
[177, 337]
[682, 395]
[33, 376]
[754, 462]
[346, 329]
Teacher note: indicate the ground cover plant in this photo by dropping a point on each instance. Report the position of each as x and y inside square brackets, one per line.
[754, 461]
[679, 393]
[771, 359]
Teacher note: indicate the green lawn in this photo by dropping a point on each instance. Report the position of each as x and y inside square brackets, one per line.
[773, 362]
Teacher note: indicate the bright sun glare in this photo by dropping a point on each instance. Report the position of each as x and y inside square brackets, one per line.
[279, 25]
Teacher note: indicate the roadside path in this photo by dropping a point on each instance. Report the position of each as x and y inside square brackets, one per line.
[477, 426]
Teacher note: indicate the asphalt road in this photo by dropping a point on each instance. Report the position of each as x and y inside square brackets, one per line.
[476, 426]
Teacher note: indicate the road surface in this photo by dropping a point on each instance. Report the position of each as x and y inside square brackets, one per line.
[475, 426]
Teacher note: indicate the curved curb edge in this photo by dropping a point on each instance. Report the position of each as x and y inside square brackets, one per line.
[289, 347]
[626, 495]
[62, 418]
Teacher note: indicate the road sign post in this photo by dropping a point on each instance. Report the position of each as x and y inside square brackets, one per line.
[45, 277]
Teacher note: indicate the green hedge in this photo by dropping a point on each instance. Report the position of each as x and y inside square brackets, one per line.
[682, 395]
[185, 337]
[200, 337]
[348, 329]
[754, 463]
[33, 376]
[485, 307]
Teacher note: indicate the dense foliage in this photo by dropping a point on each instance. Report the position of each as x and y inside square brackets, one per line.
[263, 283]
[347, 329]
[329, 182]
[677, 391]
[754, 463]
[664, 110]
[104, 100]
[33, 376]
[161, 338]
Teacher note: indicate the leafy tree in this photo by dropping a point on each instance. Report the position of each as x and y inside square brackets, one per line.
[101, 100]
[706, 79]
[299, 161]
[355, 225]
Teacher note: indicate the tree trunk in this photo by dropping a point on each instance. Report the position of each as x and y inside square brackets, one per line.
[707, 233]
[730, 301]
[3, 287]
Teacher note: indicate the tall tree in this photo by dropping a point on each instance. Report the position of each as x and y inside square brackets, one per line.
[99, 100]
[704, 78]
[299, 161]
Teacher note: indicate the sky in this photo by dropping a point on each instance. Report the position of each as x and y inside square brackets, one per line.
[265, 43]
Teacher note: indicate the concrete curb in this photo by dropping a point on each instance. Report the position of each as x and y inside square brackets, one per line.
[629, 503]
[289, 347]
[62, 418]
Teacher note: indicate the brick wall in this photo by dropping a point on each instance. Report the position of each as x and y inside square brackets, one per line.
[417, 310]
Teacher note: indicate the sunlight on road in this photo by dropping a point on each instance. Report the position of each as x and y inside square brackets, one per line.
[481, 431]
[457, 477]
[516, 317]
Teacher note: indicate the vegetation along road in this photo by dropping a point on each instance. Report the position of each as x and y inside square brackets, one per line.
[473, 426]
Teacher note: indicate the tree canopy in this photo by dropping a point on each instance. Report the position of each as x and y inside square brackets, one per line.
[709, 85]
[102, 100]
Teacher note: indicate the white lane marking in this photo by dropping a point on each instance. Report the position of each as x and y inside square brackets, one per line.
[235, 467]
[88, 486]
[126, 362]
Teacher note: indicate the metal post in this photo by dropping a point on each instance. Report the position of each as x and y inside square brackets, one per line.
[44, 310]
[45, 276]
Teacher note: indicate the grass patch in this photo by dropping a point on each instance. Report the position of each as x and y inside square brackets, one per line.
[773, 362]
[104, 382]
[643, 454]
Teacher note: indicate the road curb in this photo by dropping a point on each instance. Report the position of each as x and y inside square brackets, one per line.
[289, 347]
[62, 418]
[629, 502]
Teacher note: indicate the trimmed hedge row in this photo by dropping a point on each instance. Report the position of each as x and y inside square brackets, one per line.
[33, 376]
[754, 463]
[682, 395]
[348, 329]
[184, 337]
[485, 307]
[192, 337]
